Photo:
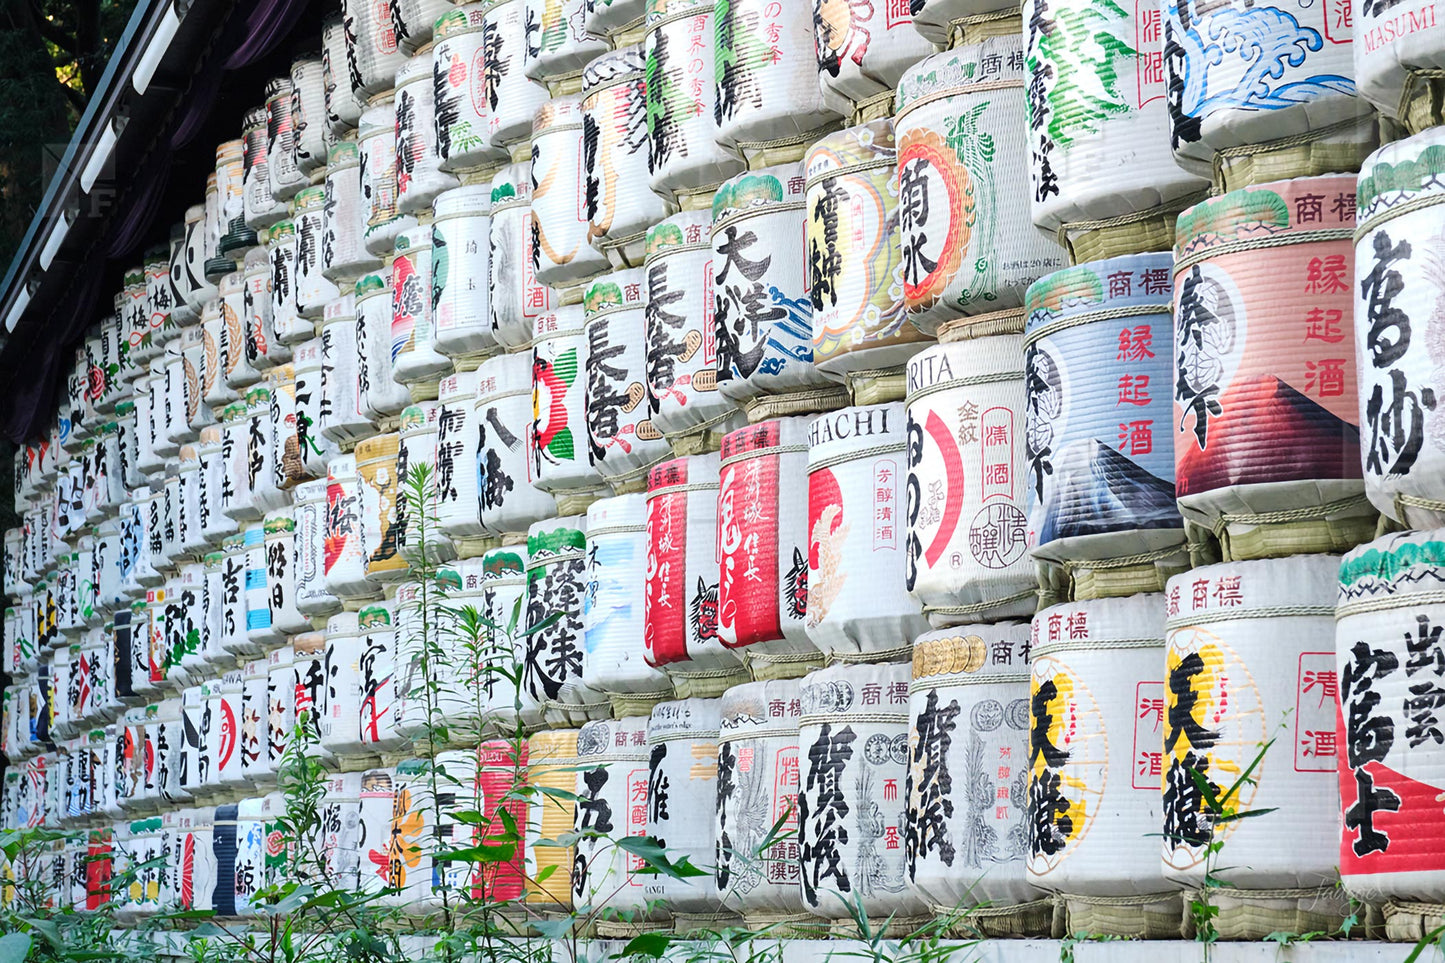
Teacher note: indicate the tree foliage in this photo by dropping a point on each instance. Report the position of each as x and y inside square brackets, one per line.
[52, 56]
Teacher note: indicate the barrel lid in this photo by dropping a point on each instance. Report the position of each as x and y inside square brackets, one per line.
[254, 119]
[413, 69]
[559, 113]
[994, 60]
[1273, 209]
[310, 197]
[1134, 279]
[607, 740]
[413, 239]
[343, 153]
[866, 145]
[657, 9]
[757, 708]
[279, 87]
[499, 564]
[458, 20]
[370, 285]
[684, 718]
[376, 617]
[377, 447]
[759, 189]
[685, 228]
[1393, 567]
[555, 538]
[619, 291]
[504, 374]
[614, 67]
[342, 624]
[467, 199]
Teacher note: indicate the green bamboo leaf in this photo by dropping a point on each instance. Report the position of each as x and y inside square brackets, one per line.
[14, 947]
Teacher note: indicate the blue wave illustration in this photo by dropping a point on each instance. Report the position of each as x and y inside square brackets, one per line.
[1268, 41]
[792, 336]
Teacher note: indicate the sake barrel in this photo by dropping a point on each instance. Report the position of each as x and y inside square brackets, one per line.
[501, 772]
[414, 19]
[340, 723]
[255, 710]
[620, 206]
[1091, 496]
[560, 447]
[414, 359]
[381, 697]
[942, 21]
[339, 829]
[344, 253]
[200, 246]
[462, 272]
[190, 542]
[517, 298]
[967, 534]
[682, 389]
[502, 416]
[418, 447]
[261, 472]
[459, 89]
[561, 248]
[373, 54]
[262, 208]
[225, 708]
[223, 849]
[551, 764]
[130, 304]
[263, 348]
[976, 254]
[313, 289]
[418, 177]
[378, 802]
[344, 561]
[261, 631]
[215, 389]
[1386, 653]
[160, 300]
[250, 873]
[280, 534]
[1245, 660]
[215, 463]
[612, 620]
[1277, 368]
[558, 43]
[383, 394]
[281, 700]
[760, 283]
[857, 477]
[308, 674]
[457, 462]
[315, 449]
[235, 597]
[1397, 384]
[767, 91]
[287, 325]
[237, 343]
[286, 178]
[623, 440]
[852, 804]
[231, 231]
[512, 97]
[1220, 100]
[613, 791]
[383, 507]
[199, 372]
[1097, 703]
[556, 584]
[1097, 147]
[968, 714]
[288, 466]
[308, 114]
[683, 156]
[344, 102]
[863, 51]
[763, 547]
[860, 320]
[682, 740]
[500, 584]
[681, 596]
[450, 786]
[382, 221]
[196, 869]
[757, 789]
[343, 397]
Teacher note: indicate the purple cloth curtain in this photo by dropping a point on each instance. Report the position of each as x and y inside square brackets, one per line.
[32, 361]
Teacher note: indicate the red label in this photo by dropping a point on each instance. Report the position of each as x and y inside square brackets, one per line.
[1148, 758]
[666, 596]
[496, 777]
[747, 525]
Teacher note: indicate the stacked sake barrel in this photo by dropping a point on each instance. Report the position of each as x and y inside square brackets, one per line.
[816, 449]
